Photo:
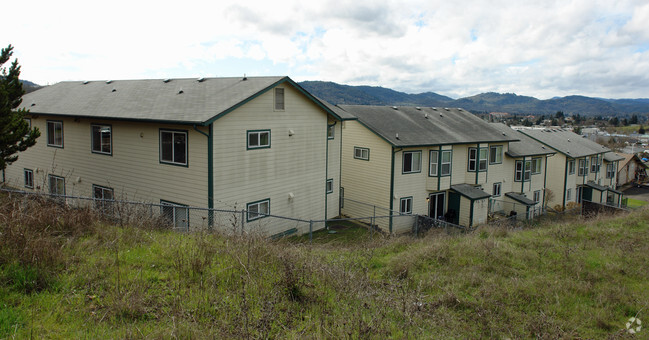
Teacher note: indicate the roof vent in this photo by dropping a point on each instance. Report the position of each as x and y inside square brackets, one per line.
[394, 108]
[426, 115]
[441, 114]
[244, 77]
[446, 108]
[166, 80]
[108, 81]
[418, 108]
[504, 134]
[568, 140]
[33, 104]
[85, 82]
[434, 108]
[114, 90]
[181, 91]
[201, 79]
[397, 136]
[543, 147]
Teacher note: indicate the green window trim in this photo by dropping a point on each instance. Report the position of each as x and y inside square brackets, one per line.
[405, 205]
[496, 154]
[177, 211]
[56, 184]
[260, 139]
[52, 133]
[536, 165]
[433, 164]
[414, 158]
[257, 213]
[101, 148]
[523, 171]
[441, 161]
[171, 154]
[361, 153]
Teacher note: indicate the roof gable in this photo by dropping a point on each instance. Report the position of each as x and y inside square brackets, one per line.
[566, 142]
[526, 146]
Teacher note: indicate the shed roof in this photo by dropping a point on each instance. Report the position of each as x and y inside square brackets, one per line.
[612, 157]
[526, 146]
[188, 100]
[421, 126]
[566, 142]
[469, 191]
[596, 186]
[520, 198]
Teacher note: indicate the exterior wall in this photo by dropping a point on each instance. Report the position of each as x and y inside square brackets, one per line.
[609, 182]
[295, 162]
[366, 181]
[480, 211]
[465, 211]
[557, 172]
[623, 175]
[333, 170]
[133, 170]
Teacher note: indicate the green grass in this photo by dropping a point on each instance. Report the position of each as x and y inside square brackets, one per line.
[579, 279]
[632, 203]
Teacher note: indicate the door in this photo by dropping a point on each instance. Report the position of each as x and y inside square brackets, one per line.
[436, 205]
[453, 212]
[587, 194]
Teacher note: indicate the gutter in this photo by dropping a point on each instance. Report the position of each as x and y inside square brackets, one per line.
[565, 182]
[210, 171]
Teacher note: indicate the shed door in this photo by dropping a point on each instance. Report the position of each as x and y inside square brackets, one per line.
[454, 207]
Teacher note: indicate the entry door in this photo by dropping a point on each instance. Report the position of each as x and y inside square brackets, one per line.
[436, 205]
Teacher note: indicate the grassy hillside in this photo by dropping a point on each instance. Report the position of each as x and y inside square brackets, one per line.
[65, 275]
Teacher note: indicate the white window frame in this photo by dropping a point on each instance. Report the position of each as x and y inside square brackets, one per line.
[476, 161]
[496, 154]
[177, 212]
[29, 178]
[536, 165]
[524, 173]
[415, 162]
[255, 136]
[582, 169]
[331, 131]
[329, 185]
[537, 196]
[54, 188]
[407, 208]
[101, 199]
[497, 189]
[100, 148]
[571, 167]
[433, 168]
[280, 99]
[449, 163]
[254, 210]
[361, 153]
[568, 194]
[52, 135]
[594, 164]
[610, 170]
[174, 135]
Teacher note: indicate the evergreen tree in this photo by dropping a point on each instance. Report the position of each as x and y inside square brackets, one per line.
[15, 133]
[634, 119]
[641, 130]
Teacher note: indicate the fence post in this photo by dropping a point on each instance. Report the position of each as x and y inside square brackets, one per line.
[310, 231]
[243, 215]
[416, 225]
[373, 221]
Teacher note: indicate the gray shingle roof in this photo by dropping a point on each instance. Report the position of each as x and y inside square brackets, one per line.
[526, 146]
[469, 191]
[425, 126]
[596, 186]
[612, 157]
[176, 100]
[520, 198]
[566, 142]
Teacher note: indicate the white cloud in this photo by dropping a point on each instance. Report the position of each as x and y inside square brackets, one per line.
[544, 49]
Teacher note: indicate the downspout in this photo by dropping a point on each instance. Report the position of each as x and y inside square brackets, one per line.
[470, 215]
[523, 179]
[327, 169]
[565, 183]
[439, 168]
[340, 171]
[477, 164]
[545, 180]
[394, 151]
[210, 172]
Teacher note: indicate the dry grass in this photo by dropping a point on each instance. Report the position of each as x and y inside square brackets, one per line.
[581, 279]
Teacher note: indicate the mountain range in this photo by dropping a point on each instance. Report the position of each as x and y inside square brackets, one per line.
[480, 103]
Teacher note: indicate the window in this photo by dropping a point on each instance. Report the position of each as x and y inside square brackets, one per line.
[583, 168]
[101, 139]
[57, 185]
[29, 122]
[523, 173]
[101, 195]
[569, 194]
[330, 131]
[259, 139]
[29, 178]
[55, 133]
[405, 205]
[446, 163]
[571, 167]
[330, 185]
[257, 210]
[411, 162]
[610, 170]
[478, 158]
[176, 214]
[536, 166]
[434, 163]
[594, 164]
[537, 196]
[496, 190]
[496, 154]
[279, 99]
[173, 147]
[362, 153]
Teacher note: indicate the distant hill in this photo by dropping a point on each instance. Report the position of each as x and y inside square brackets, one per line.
[484, 102]
[28, 86]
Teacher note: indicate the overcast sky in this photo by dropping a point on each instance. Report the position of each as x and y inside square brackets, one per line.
[454, 48]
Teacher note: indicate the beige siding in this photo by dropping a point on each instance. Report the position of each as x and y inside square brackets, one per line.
[480, 211]
[333, 170]
[134, 170]
[294, 165]
[465, 211]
